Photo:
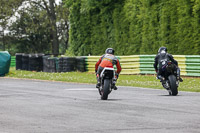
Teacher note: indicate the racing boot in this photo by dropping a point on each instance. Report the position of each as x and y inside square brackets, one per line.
[98, 81]
[161, 78]
[115, 88]
[113, 84]
[180, 79]
[178, 75]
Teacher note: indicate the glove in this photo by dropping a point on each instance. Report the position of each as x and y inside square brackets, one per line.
[156, 70]
[116, 75]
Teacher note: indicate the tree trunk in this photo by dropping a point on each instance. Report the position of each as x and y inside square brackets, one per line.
[55, 47]
[67, 36]
[55, 43]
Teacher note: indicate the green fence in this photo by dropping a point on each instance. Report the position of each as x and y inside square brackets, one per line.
[192, 64]
[143, 64]
[12, 63]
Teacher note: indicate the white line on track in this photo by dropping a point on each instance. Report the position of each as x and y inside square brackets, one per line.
[82, 89]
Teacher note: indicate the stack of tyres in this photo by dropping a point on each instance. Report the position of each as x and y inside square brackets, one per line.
[50, 64]
[69, 64]
[53, 63]
[40, 62]
[25, 61]
[35, 62]
[45, 63]
[60, 64]
[81, 65]
[18, 60]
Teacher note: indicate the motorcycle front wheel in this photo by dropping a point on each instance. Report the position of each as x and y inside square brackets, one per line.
[173, 86]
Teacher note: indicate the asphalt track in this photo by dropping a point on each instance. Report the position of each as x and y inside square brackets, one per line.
[32, 106]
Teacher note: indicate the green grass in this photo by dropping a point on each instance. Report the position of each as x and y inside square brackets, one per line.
[147, 81]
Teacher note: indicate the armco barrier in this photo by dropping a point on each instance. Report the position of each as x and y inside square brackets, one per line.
[90, 63]
[146, 64]
[181, 63]
[12, 63]
[143, 64]
[133, 64]
[192, 65]
[130, 64]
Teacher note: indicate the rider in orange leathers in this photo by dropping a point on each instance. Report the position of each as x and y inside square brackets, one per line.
[107, 60]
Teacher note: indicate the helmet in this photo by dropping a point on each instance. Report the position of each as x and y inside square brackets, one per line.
[163, 53]
[162, 48]
[110, 51]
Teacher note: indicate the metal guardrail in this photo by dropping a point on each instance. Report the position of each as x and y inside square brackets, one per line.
[143, 64]
[13, 62]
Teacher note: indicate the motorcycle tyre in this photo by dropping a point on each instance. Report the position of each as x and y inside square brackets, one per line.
[173, 86]
[106, 89]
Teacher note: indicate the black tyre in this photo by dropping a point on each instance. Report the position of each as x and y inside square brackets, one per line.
[106, 89]
[173, 86]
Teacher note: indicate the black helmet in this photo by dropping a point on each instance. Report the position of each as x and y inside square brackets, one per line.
[110, 51]
[162, 48]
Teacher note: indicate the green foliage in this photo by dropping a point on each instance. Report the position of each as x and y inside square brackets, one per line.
[39, 27]
[31, 32]
[134, 26]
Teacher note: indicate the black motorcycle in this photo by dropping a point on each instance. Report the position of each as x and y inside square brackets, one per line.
[108, 81]
[170, 81]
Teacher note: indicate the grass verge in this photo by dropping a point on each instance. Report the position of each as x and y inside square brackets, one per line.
[191, 84]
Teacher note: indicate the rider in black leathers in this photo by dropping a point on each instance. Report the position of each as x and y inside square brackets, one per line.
[161, 58]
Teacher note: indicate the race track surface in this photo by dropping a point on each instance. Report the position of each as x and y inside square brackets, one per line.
[33, 106]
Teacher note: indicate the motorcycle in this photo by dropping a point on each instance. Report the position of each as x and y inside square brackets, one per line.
[170, 82]
[107, 82]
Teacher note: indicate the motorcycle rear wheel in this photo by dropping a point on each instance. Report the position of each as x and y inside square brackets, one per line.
[106, 89]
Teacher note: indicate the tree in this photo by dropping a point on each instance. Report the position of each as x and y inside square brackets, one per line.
[39, 23]
[7, 10]
[50, 6]
[31, 33]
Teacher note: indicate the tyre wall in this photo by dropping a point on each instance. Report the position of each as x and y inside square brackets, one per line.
[50, 64]
[133, 64]
[67, 64]
[35, 62]
[18, 61]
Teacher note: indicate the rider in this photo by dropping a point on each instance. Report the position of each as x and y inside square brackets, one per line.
[161, 59]
[107, 60]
